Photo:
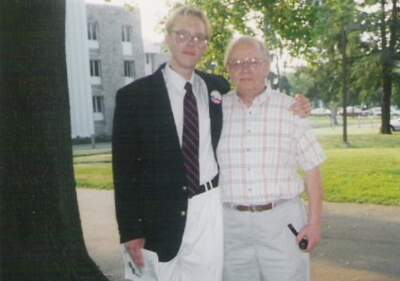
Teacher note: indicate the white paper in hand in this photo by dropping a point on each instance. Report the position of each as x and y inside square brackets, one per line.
[147, 273]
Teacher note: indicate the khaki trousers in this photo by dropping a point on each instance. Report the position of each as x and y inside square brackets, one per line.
[258, 246]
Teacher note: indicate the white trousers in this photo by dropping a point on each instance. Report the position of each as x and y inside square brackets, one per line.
[259, 245]
[200, 255]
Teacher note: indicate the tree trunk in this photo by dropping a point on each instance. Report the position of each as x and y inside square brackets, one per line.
[41, 235]
[388, 58]
[345, 81]
[333, 107]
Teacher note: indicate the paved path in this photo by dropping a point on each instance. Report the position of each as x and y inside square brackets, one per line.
[359, 242]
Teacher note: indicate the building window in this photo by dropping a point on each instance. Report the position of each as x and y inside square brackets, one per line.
[98, 104]
[126, 33]
[95, 68]
[129, 68]
[92, 30]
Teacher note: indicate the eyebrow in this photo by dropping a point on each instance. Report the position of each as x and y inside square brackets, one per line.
[185, 30]
[246, 58]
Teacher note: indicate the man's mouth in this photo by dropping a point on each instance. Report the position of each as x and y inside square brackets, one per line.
[189, 53]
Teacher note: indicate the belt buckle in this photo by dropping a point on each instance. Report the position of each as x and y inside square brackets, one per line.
[252, 208]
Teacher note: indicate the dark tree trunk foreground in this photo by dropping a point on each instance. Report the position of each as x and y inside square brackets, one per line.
[41, 235]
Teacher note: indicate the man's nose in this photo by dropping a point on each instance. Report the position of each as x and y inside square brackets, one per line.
[245, 67]
[191, 41]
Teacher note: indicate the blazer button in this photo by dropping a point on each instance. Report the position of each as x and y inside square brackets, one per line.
[184, 188]
[183, 213]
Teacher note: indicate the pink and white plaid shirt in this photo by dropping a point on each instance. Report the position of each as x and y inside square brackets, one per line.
[263, 148]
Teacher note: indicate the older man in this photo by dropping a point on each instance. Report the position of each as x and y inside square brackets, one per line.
[263, 146]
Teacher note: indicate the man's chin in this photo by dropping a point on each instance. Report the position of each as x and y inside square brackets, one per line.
[250, 90]
[246, 88]
[191, 65]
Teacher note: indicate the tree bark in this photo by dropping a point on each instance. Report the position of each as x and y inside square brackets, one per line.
[345, 81]
[41, 235]
[388, 58]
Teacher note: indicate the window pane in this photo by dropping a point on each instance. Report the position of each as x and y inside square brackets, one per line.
[126, 33]
[129, 69]
[95, 27]
[95, 68]
[98, 104]
[91, 68]
[94, 103]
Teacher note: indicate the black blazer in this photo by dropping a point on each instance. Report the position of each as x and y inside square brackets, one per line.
[148, 167]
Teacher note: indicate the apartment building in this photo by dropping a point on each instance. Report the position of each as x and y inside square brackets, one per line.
[105, 51]
[116, 57]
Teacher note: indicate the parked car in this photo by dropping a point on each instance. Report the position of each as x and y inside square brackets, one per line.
[320, 111]
[377, 111]
[366, 112]
[395, 124]
[394, 111]
[351, 111]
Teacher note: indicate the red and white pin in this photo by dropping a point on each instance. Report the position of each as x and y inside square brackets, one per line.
[216, 97]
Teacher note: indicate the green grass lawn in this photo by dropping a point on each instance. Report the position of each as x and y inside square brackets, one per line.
[366, 172]
[90, 159]
[365, 175]
[94, 175]
[376, 141]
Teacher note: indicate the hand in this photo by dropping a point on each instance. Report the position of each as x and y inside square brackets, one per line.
[134, 248]
[301, 106]
[312, 233]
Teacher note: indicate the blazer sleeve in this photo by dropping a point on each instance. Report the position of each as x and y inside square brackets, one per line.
[223, 84]
[126, 163]
[216, 82]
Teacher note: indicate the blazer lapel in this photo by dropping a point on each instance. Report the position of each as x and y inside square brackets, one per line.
[215, 117]
[167, 134]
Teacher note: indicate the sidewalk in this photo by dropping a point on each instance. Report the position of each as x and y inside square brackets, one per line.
[359, 242]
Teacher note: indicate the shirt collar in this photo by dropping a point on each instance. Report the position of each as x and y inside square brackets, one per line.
[261, 98]
[176, 79]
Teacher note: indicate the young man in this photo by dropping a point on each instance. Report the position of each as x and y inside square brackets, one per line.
[166, 130]
[262, 147]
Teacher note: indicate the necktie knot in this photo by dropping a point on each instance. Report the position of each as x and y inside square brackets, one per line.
[188, 87]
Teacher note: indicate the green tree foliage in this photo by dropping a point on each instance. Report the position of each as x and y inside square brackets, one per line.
[324, 33]
[284, 24]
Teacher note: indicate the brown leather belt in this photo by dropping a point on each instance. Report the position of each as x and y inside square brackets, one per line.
[253, 208]
[256, 208]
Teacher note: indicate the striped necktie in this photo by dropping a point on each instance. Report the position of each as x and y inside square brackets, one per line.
[190, 140]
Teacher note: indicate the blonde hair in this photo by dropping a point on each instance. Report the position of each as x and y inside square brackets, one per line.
[185, 10]
[245, 40]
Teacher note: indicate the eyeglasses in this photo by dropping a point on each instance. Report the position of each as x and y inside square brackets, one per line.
[183, 36]
[251, 63]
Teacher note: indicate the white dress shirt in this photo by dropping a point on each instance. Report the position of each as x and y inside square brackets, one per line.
[176, 92]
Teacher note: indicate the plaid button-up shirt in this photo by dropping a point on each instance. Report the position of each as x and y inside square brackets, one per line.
[263, 149]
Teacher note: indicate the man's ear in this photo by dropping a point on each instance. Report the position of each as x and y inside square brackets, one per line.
[167, 40]
[203, 51]
[267, 68]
